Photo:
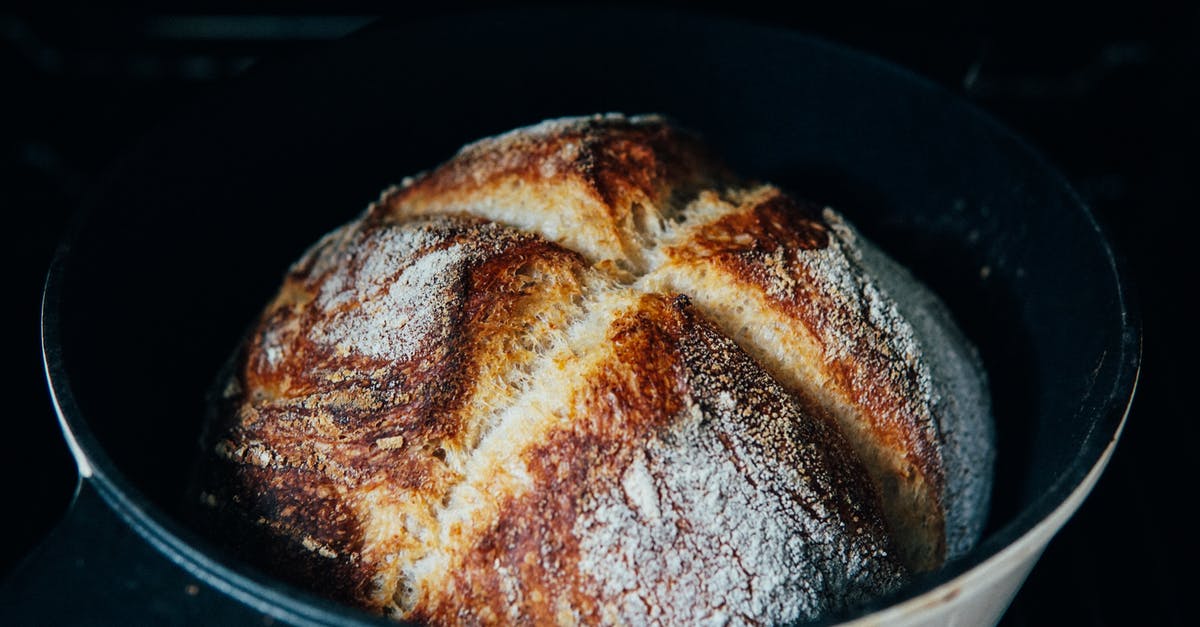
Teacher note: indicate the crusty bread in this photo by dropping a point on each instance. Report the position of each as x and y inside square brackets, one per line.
[581, 373]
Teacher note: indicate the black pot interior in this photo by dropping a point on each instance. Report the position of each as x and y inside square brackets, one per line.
[191, 236]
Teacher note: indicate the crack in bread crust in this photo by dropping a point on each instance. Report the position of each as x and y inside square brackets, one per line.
[491, 398]
[681, 488]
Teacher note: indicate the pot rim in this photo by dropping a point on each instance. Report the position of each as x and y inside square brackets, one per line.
[285, 602]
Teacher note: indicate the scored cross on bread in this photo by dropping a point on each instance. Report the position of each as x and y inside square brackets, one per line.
[582, 373]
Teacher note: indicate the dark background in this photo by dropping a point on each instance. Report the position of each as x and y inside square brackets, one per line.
[1110, 93]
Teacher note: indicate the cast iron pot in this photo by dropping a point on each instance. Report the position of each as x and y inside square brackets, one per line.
[181, 247]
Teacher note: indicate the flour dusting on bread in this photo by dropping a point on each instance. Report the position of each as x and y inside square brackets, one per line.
[581, 373]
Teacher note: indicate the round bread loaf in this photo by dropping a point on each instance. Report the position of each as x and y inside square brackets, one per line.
[581, 373]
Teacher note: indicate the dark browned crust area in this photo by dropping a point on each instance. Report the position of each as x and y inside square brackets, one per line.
[753, 237]
[302, 434]
[524, 567]
[291, 522]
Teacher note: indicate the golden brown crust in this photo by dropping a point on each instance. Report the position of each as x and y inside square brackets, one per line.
[619, 161]
[486, 402]
[524, 566]
[784, 253]
[600, 186]
[313, 401]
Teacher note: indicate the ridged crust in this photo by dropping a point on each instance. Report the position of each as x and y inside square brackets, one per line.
[313, 412]
[848, 349]
[487, 401]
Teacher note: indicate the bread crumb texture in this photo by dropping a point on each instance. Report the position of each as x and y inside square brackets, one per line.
[580, 373]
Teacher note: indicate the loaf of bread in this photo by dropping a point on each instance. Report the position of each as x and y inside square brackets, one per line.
[581, 373]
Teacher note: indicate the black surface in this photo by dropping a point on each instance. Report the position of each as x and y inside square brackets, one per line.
[1135, 90]
[113, 577]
